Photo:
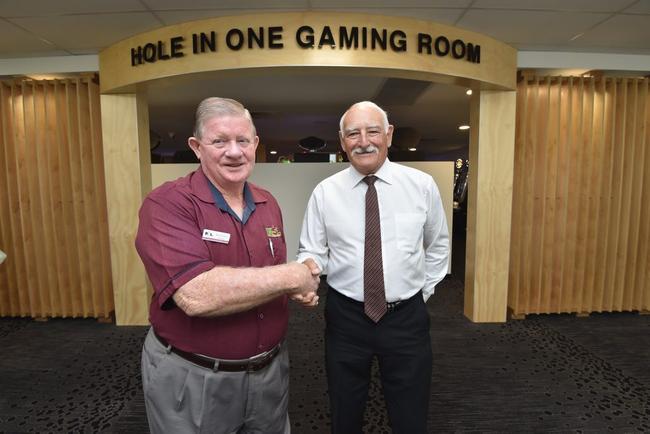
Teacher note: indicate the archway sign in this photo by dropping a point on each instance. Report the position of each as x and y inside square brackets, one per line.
[320, 43]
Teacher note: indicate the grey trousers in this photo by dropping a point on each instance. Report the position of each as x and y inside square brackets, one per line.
[181, 397]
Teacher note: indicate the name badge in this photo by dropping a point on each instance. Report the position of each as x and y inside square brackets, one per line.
[216, 236]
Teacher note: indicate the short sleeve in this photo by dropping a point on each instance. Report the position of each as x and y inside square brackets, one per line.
[169, 242]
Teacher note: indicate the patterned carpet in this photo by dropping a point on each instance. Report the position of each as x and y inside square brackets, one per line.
[547, 373]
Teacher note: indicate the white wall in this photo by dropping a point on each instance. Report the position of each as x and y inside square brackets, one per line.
[291, 184]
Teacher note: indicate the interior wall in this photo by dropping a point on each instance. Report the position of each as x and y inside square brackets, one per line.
[52, 201]
[292, 196]
[581, 201]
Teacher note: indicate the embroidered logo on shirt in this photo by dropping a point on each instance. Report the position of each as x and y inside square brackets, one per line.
[273, 232]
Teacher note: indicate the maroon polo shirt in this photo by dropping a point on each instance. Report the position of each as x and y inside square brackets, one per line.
[170, 242]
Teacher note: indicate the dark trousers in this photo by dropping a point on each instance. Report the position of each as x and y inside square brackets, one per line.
[402, 345]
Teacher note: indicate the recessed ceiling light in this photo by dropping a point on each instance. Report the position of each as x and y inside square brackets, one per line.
[468, 91]
[463, 127]
[413, 149]
[273, 152]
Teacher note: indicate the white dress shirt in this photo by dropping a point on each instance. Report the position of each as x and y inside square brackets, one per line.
[414, 234]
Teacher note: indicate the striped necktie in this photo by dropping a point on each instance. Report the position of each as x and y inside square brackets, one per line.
[374, 294]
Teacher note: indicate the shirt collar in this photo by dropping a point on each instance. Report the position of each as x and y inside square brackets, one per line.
[220, 202]
[385, 174]
[200, 185]
[207, 192]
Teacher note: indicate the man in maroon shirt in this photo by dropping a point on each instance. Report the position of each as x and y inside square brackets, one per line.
[214, 249]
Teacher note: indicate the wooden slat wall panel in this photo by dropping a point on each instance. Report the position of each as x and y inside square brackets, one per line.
[643, 298]
[99, 194]
[8, 301]
[570, 192]
[94, 292]
[584, 147]
[23, 206]
[527, 297]
[67, 206]
[635, 190]
[561, 205]
[74, 156]
[539, 207]
[605, 212]
[516, 249]
[550, 215]
[581, 202]
[595, 172]
[53, 201]
[55, 214]
[575, 195]
[620, 153]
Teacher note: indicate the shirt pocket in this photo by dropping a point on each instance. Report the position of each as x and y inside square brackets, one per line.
[278, 249]
[409, 229]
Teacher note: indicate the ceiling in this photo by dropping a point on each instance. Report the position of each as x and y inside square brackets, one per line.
[287, 108]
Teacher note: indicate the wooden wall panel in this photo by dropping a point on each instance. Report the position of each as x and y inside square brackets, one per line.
[52, 203]
[99, 195]
[581, 202]
[517, 232]
[642, 298]
[8, 300]
[127, 167]
[492, 114]
[54, 206]
[68, 227]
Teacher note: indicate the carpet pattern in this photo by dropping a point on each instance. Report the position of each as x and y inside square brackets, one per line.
[547, 373]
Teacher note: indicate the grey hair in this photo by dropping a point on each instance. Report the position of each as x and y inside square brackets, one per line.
[215, 107]
[366, 104]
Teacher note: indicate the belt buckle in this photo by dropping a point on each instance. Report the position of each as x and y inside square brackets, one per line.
[257, 364]
[251, 366]
[390, 307]
[263, 360]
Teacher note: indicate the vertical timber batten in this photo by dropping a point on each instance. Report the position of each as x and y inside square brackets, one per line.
[492, 118]
[127, 165]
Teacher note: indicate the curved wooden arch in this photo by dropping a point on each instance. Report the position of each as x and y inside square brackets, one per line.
[411, 47]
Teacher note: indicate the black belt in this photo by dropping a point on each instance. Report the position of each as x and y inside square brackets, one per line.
[390, 307]
[250, 365]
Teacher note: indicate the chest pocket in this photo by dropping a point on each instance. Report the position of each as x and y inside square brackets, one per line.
[409, 229]
[279, 249]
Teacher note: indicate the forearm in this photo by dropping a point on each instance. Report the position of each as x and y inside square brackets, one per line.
[226, 290]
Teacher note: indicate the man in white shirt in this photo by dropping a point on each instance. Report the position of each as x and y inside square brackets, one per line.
[376, 289]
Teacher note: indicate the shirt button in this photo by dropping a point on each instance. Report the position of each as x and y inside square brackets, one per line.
[261, 316]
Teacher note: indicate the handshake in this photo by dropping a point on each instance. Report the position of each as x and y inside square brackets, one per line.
[308, 274]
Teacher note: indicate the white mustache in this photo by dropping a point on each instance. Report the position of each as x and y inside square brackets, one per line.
[367, 150]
